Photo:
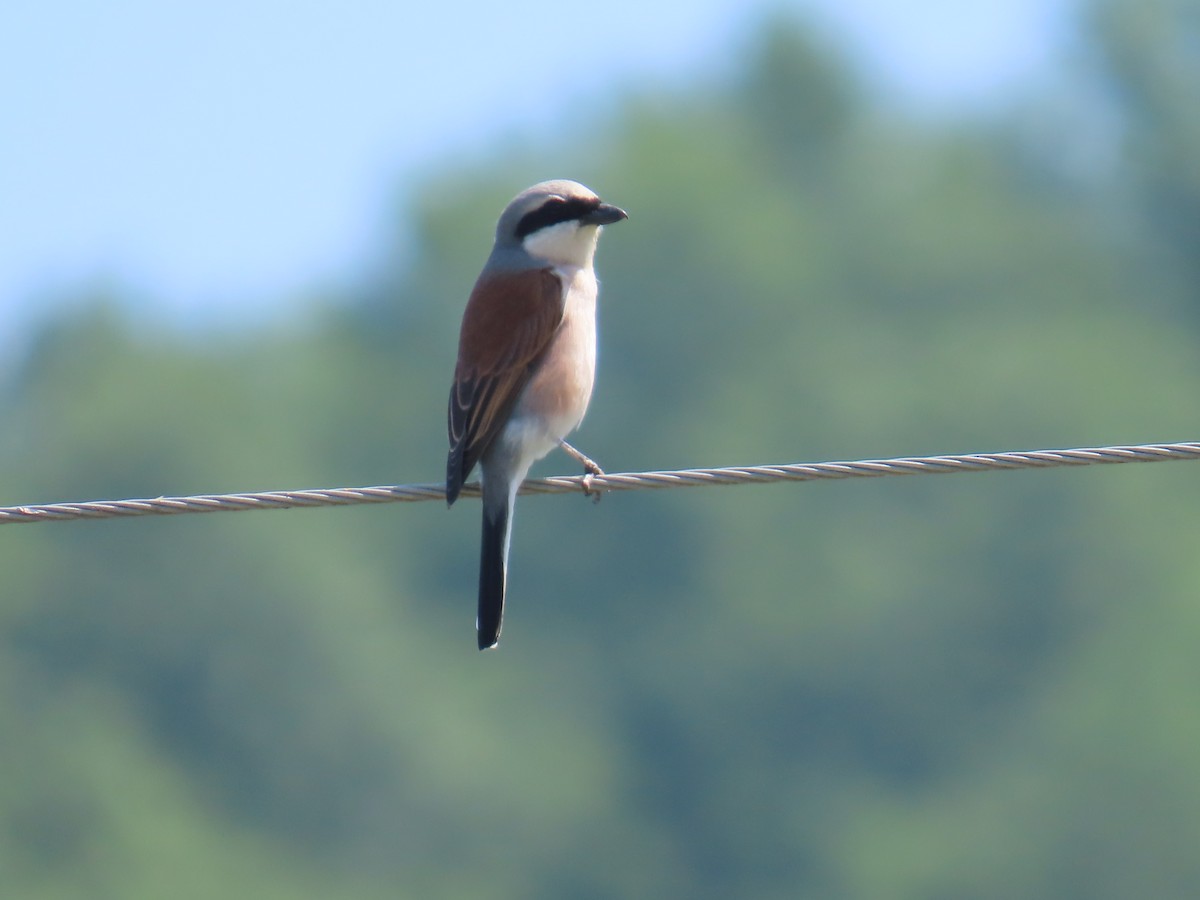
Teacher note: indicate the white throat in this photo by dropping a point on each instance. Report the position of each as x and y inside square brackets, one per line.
[565, 244]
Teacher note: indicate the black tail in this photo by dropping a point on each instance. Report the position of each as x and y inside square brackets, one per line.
[493, 560]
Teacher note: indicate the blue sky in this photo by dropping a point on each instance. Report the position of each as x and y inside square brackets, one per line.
[216, 158]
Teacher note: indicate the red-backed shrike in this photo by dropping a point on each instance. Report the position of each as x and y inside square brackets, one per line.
[526, 362]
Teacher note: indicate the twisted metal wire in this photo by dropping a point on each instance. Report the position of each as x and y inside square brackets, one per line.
[625, 481]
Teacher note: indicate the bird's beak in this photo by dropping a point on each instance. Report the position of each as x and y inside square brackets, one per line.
[604, 214]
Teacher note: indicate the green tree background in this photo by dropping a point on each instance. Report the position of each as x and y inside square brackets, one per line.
[976, 687]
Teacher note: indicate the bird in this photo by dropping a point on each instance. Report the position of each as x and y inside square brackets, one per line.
[526, 362]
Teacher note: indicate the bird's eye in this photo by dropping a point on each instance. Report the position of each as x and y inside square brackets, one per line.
[552, 211]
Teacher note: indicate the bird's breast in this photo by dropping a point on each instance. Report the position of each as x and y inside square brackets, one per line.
[556, 397]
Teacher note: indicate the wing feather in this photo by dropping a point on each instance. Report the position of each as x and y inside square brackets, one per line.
[509, 322]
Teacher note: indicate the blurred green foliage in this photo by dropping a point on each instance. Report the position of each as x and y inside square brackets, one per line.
[975, 687]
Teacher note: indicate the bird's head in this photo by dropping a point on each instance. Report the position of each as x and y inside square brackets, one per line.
[557, 222]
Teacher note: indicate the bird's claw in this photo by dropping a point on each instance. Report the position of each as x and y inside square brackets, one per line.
[590, 468]
[586, 484]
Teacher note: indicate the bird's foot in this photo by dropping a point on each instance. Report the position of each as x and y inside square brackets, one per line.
[591, 469]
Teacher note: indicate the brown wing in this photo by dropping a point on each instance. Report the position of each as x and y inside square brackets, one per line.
[508, 322]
